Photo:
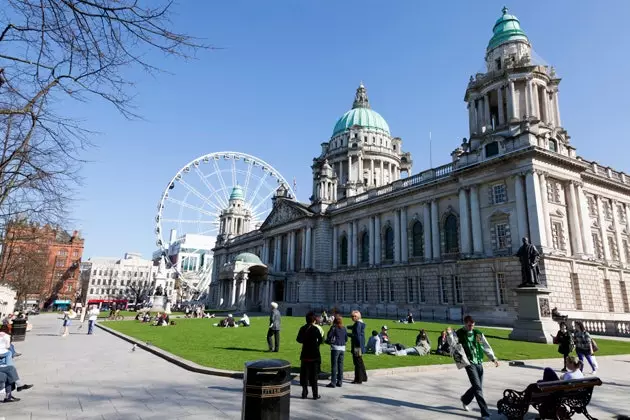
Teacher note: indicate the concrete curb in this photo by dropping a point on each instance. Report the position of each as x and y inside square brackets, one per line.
[169, 357]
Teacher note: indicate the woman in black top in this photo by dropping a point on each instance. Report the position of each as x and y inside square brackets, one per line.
[310, 336]
[564, 340]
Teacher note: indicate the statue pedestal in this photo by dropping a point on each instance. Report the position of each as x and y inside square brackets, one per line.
[159, 304]
[534, 321]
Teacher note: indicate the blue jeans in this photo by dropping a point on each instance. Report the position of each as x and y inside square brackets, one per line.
[475, 376]
[91, 327]
[582, 355]
[336, 363]
[8, 358]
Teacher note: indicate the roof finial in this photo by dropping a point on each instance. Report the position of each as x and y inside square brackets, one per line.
[360, 98]
[504, 10]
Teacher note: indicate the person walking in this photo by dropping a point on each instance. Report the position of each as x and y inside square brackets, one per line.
[564, 340]
[584, 346]
[93, 315]
[337, 338]
[357, 342]
[475, 345]
[274, 328]
[311, 337]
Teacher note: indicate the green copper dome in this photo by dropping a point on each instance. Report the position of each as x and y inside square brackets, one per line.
[237, 193]
[506, 29]
[249, 258]
[361, 115]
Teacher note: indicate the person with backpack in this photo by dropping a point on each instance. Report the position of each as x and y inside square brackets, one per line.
[337, 338]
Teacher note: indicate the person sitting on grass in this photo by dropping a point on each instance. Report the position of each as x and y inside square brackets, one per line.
[227, 322]
[244, 321]
[374, 344]
[422, 340]
[443, 346]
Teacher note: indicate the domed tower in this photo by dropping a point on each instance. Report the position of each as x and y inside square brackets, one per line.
[236, 219]
[361, 152]
[516, 93]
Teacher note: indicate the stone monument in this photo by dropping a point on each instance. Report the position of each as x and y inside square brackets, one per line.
[159, 300]
[534, 322]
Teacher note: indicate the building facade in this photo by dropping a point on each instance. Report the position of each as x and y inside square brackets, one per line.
[120, 280]
[441, 242]
[42, 263]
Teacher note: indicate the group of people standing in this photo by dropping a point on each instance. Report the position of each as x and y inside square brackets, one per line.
[580, 341]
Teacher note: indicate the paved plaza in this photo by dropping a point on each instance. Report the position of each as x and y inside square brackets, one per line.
[99, 377]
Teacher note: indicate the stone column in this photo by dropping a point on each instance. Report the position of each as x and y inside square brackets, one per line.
[404, 241]
[382, 174]
[349, 243]
[557, 109]
[341, 182]
[426, 210]
[377, 239]
[544, 206]
[291, 252]
[277, 256]
[309, 259]
[360, 170]
[511, 103]
[243, 291]
[574, 221]
[303, 236]
[372, 252]
[335, 250]
[536, 230]
[475, 215]
[471, 122]
[464, 222]
[476, 113]
[350, 178]
[355, 243]
[585, 219]
[396, 236]
[548, 114]
[602, 228]
[372, 177]
[500, 103]
[435, 229]
[521, 210]
[486, 111]
[265, 251]
[535, 102]
[529, 102]
[618, 228]
[233, 294]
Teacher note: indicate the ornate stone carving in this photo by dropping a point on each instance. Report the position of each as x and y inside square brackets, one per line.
[543, 304]
[282, 214]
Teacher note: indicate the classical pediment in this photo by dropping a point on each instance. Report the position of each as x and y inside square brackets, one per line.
[284, 211]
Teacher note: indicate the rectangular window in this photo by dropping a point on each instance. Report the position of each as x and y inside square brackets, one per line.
[297, 292]
[597, 245]
[344, 291]
[357, 294]
[557, 236]
[609, 295]
[607, 209]
[458, 295]
[501, 231]
[592, 207]
[626, 249]
[91, 291]
[365, 291]
[577, 295]
[392, 290]
[624, 296]
[621, 212]
[498, 194]
[443, 292]
[410, 290]
[501, 289]
[421, 295]
[337, 291]
[69, 288]
[382, 291]
[553, 146]
[612, 245]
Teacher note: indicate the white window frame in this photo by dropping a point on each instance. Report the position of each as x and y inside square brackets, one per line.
[365, 291]
[506, 228]
[382, 293]
[411, 293]
[501, 286]
[499, 197]
[391, 290]
[421, 294]
[443, 291]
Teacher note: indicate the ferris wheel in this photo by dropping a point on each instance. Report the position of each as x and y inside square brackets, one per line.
[187, 222]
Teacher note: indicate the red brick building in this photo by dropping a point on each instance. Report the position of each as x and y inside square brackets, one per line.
[42, 263]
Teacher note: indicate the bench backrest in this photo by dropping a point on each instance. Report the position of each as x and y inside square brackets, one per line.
[572, 389]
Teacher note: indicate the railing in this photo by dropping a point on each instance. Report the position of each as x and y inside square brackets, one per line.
[610, 328]
[418, 179]
[607, 172]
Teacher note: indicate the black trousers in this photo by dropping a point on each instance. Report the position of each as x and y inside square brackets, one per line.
[276, 338]
[360, 375]
[308, 374]
[475, 376]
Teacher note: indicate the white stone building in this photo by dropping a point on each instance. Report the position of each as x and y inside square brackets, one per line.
[441, 242]
[117, 279]
[8, 299]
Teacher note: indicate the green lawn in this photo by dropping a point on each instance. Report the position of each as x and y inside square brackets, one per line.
[126, 314]
[229, 348]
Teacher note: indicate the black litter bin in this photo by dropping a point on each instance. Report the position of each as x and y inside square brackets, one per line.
[267, 390]
[18, 330]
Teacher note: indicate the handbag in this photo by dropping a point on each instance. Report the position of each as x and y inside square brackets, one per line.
[594, 345]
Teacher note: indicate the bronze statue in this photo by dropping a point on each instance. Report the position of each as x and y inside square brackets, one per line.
[529, 258]
[158, 291]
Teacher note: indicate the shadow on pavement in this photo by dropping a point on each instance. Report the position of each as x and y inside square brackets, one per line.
[225, 388]
[397, 403]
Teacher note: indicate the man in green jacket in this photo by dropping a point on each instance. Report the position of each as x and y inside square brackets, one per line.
[475, 345]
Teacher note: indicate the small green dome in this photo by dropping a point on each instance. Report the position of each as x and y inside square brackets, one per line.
[237, 193]
[506, 29]
[361, 115]
[249, 258]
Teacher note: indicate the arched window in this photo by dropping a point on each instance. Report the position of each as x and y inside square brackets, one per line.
[365, 247]
[451, 237]
[343, 252]
[389, 243]
[417, 235]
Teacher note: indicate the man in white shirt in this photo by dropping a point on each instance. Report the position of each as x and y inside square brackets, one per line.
[93, 314]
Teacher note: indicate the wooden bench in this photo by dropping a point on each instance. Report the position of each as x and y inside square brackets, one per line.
[558, 400]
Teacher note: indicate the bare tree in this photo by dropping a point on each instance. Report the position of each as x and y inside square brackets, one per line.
[24, 266]
[53, 51]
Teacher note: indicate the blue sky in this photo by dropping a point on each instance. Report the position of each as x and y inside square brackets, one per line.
[288, 69]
